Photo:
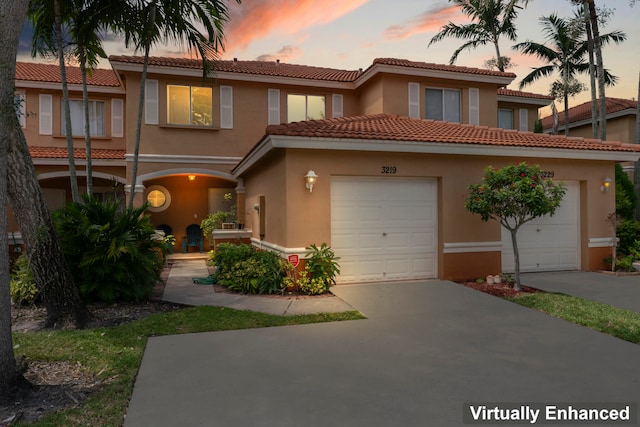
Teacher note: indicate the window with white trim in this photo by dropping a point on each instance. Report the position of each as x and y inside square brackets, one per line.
[505, 118]
[443, 104]
[305, 107]
[96, 118]
[189, 105]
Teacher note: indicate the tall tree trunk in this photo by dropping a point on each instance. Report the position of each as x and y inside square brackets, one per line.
[516, 258]
[597, 46]
[636, 169]
[143, 81]
[592, 74]
[46, 259]
[87, 127]
[75, 194]
[12, 16]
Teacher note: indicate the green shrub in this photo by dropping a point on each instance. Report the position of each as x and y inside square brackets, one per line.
[23, 285]
[111, 252]
[625, 194]
[628, 231]
[241, 268]
[311, 285]
[322, 264]
[625, 263]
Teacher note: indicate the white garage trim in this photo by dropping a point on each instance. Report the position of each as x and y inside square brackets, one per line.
[548, 243]
[384, 228]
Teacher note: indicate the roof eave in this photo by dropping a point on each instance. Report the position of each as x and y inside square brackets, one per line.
[524, 100]
[270, 142]
[438, 74]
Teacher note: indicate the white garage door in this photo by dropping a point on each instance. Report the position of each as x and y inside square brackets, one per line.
[548, 243]
[384, 229]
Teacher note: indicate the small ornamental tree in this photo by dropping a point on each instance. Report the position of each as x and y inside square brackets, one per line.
[512, 196]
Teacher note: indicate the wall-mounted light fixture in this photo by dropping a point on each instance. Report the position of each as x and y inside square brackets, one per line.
[191, 177]
[606, 183]
[310, 179]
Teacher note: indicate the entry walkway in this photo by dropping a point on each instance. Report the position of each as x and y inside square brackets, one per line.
[181, 289]
[426, 350]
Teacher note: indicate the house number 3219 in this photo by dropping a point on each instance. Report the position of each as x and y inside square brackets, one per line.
[389, 170]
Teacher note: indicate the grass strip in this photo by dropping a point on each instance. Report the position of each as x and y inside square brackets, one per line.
[113, 355]
[620, 323]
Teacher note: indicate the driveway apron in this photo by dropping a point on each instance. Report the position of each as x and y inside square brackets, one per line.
[425, 350]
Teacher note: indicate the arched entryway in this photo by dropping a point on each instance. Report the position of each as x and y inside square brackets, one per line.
[181, 197]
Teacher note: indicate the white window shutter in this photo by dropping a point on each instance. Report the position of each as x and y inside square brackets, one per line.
[151, 102]
[226, 107]
[45, 114]
[524, 119]
[414, 100]
[274, 106]
[117, 118]
[337, 106]
[474, 106]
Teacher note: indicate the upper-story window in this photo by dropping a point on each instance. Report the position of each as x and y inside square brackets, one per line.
[305, 107]
[505, 118]
[189, 105]
[96, 118]
[443, 104]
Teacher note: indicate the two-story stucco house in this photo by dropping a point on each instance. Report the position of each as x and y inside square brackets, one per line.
[394, 147]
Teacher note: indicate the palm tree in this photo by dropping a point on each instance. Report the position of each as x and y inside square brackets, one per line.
[566, 57]
[81, 21]
[47, 19]
[147, 22]
[491, 19]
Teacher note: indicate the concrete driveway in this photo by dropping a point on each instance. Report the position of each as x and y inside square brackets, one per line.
[619, 291]
[425, 349]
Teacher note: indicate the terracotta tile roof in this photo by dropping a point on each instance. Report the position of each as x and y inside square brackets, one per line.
[80, 153]
[440, 67]
[49, 73]
[583, 111]
[396, 128]
[519, 94]
[263, 68]
[281, 69]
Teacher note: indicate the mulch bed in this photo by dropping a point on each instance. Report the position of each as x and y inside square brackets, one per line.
[503, 290]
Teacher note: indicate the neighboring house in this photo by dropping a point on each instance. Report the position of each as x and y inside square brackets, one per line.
[621, 120]
[199, 136]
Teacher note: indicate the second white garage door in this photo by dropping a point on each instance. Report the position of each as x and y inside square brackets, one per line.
[548, 243]
[384, 228]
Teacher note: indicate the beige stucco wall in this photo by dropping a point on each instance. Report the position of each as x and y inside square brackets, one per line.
[297, 218]
[389, 93]
[32, 129]
[620, 129]
[532, 114]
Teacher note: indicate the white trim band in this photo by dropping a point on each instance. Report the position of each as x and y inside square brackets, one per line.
[466, 247]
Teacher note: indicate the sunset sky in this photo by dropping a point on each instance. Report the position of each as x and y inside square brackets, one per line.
[350, 34]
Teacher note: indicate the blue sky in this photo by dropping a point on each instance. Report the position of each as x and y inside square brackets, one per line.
[350, 34]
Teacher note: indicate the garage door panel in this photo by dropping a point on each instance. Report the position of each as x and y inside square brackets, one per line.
[549, 243]
[384, 232]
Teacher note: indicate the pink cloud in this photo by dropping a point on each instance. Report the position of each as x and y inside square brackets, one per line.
[286, 54]
[431, 20]
[255, 19]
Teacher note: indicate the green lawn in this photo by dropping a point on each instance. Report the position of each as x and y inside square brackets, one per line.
[611, 320]
[114, 354]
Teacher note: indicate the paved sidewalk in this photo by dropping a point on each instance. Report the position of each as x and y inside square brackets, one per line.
[181, 289]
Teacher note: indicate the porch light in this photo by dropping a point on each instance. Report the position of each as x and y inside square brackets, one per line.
[192, 177]
[606, 184]
[310, 179]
